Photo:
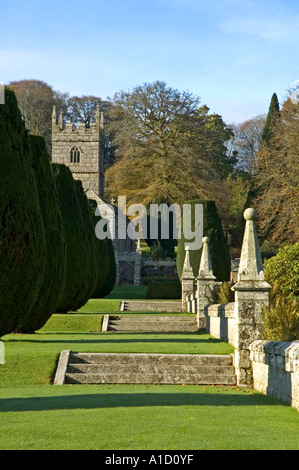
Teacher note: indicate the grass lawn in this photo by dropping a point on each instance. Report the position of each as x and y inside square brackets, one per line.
[34, 414]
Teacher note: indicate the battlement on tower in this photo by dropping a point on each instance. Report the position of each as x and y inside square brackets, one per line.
[81, 148]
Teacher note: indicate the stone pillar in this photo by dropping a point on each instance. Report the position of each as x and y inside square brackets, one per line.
[251, 296]
[206, 283]
[137, 268]
[187, 279]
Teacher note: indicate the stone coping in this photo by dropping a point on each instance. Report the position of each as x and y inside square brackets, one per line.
[281, 354]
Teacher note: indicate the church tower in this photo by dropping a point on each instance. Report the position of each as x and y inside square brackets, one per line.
[81, 149]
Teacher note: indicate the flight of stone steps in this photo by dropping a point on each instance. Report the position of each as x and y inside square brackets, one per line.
[150, 323]
[127, 368]
[151, 306]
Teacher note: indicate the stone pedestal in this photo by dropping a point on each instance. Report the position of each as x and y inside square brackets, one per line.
[187, 280]
[206, 283]
[251, 296]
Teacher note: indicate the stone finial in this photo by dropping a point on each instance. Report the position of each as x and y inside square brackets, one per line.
[54, 112]
[205, 268]
[187, 268]
[98, 115]
[102, 120]
[60, 121]
[251, 265]
[138, 248]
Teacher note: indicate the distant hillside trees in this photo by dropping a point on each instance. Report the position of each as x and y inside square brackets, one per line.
[276, 182]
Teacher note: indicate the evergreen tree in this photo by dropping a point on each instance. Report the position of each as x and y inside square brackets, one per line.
[54, 278]
[88, 226]
[22, 237]
[77, 244]
[271, 121]
[105, 261]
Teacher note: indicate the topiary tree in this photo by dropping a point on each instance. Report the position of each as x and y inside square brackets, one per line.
[54, 279]
[78, 261]
[88, 226]
[219, 249]
[22, 237]
[105, 261]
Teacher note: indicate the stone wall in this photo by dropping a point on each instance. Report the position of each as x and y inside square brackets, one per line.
[162, 267]
[220, 321]
[275, 367]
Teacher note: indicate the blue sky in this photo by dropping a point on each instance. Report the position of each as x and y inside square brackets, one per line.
[234, 54]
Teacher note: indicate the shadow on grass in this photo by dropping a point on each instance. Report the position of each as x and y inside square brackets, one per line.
[116, 400]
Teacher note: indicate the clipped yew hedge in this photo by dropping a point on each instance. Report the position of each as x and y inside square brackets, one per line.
[51, 259]
[22, 236]
[54, 277]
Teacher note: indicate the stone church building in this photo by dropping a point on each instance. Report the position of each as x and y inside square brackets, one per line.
[81, 148]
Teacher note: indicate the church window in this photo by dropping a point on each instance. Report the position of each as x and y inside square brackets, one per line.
[75, 155]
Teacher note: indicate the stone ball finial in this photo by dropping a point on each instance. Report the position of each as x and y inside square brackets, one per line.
[250, 214]
[205, 240]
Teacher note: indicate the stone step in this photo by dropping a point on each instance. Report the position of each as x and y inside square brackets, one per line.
[126, 368]
[148, 369]
[143, 358]
[134, 368]
[155, 318]
[150, 305]
[154, 379]
[151, 323]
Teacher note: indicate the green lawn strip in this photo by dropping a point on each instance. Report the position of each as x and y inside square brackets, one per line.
[99, 306]
[128, 417]
[32, 359]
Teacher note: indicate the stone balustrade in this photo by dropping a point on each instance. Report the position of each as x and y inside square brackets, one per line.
[275, 366]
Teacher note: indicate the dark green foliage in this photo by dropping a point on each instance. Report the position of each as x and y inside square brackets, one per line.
[22, 240]
[166, 289]
[54, 278]
[281, 319]
[88, 226]
[76, 239]
[282, 270]
[271, 121]
[219, 249]
[111, 275]
[167, 244]
[105, 261]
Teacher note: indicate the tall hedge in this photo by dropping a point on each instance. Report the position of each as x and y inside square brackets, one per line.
[88, 226]
[219, 249]
[22, 237]
[54, 278]
[77, 279]
[105, 261]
